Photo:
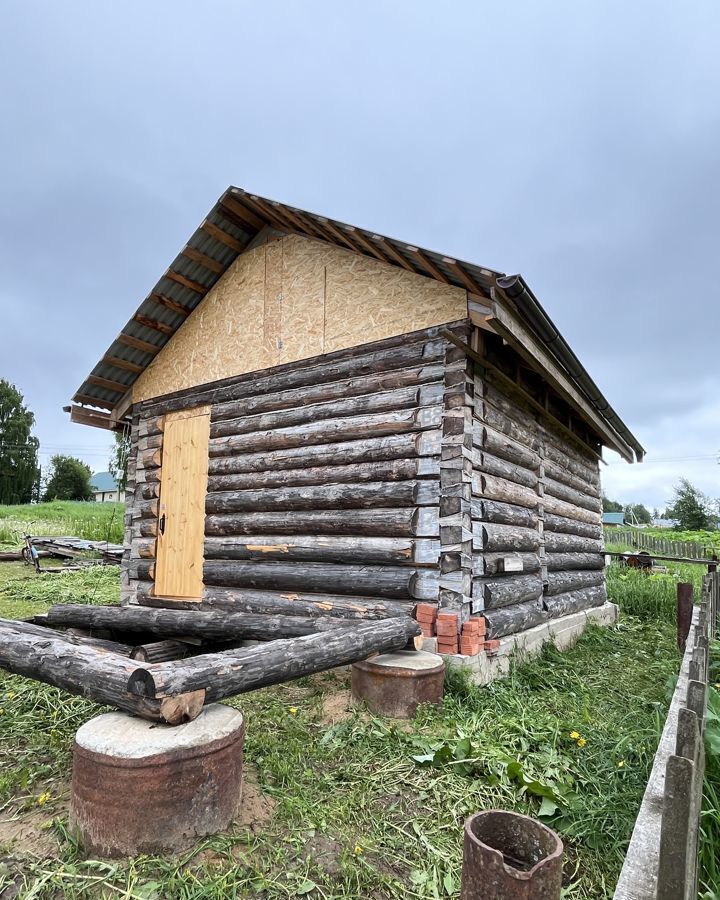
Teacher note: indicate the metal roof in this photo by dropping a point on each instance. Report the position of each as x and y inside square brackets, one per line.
[231, 227]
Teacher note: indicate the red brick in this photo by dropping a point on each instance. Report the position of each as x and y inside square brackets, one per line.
[491, 647]
[425, 612]
[474, 627]
[469, 646]
[427, 630]
[447, 646]
[449, 629]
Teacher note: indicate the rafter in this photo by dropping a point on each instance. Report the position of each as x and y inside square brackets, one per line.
[240, 210]
[122, 364]
[106, 383]
[428, 264]
[203, 259]
[138, 344]
[186, 282]
[232, 242]
[464, 276]
[391, 251]
[154, 324]
[169, 303]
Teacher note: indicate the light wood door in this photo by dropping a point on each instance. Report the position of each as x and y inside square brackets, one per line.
[183, 486]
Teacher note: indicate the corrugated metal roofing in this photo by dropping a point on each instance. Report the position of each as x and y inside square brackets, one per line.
[229, 229]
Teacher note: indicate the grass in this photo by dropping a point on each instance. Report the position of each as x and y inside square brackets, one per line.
[342, 804]
[709, 866]
[91, 521]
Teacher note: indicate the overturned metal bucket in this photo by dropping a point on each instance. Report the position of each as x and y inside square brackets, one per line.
[508, 856]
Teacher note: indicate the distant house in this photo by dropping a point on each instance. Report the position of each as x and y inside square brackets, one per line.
[664, 523]
[613, 518]
[105, 488]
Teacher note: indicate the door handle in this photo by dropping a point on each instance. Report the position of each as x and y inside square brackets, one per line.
[161, 524]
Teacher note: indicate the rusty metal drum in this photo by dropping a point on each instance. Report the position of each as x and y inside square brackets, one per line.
[395, 684]
[508, 856]
[140, 787]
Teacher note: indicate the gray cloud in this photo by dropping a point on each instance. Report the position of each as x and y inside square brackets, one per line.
[577, 143]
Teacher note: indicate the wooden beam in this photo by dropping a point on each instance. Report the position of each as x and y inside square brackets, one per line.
[505, 379]
[138, 344]
[239, 209]
[122, 364]
[107, 384]
[463, 276]
[186, 282]
[524, 343]
[332, 232]
[391, 251]
[222, 236]
[364, 242]
[275, 220]
[301, 221]
[153, 323]
[92, 401]
[87, 417]
[169, 303]
[203, 259]
[428, 264]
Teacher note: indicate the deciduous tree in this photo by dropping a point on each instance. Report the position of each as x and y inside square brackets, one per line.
[19, 473]
[69, 479]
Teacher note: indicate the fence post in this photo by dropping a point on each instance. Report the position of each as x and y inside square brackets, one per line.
[684, 613]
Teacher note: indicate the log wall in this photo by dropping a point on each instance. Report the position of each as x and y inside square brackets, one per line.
[324, 480]
[536, 516]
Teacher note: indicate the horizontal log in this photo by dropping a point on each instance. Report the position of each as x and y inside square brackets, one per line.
[496, 538]
[500, 445]
[561, 582]
[516, 410]
[205, 624]
[148, 528]
[575, 601]
[508, 589]
[143, 549]
[391, 582]
[336, 390]
[151, 442]
[493, 465]
[146, 509]
[380, 522]
[565, 525]
[234, 672]
[141, 570]
[492, 488]
[285, 603]
[498, 421]
[563, 492]
[587, 470]
[351, 363]
[149, 425]
[391, 470]
[331, 548]
[151, 459]
[557, 542]
[561, 508]
[503, 513]
[326, 496]
[145, 490]
[558, 562]
[329, 431]
[406, 398]
[38, 628]
[561, 474]
[79, 669]
[159, 651]
[490, 564]
[513, 619]
[360, 450]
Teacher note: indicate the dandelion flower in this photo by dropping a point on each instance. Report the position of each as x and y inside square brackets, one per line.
[43, 798]
[574, 735]
[10, 695]
[581, 742]
[293, 710]
[358, 850]
[621, 764]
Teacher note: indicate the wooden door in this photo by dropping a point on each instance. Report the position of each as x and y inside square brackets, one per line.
[183, 486]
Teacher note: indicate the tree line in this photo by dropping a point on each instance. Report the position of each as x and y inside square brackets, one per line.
[21, 479]
[691, 509]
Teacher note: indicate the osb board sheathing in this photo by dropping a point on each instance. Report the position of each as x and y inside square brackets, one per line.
[293, 299]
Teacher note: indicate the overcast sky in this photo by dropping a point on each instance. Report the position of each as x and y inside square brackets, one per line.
[577, 143]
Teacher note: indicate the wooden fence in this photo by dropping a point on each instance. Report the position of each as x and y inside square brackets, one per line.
[661, 862]
[638, 539]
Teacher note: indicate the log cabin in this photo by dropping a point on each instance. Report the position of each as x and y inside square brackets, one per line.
[327, 418]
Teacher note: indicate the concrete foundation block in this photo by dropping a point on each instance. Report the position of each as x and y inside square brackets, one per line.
[139, 787]
[395, 684]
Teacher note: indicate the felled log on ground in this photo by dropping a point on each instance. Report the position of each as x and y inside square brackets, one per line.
[36, 629]
[79, 669]
[237, 671]
[216, 626]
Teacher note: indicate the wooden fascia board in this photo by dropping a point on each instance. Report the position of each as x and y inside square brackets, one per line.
[82, 416]
[521, 340]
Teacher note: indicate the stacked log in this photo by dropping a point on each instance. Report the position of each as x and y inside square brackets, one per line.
[536, 510]
[323, 479]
